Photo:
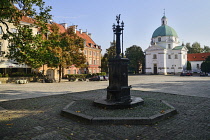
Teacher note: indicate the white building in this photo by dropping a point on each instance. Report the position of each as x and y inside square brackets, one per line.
[165, 55]
[196, 59]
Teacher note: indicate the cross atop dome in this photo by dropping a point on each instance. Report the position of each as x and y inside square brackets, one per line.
[164, 20]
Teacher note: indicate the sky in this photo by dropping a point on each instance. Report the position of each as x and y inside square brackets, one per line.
[189, 18]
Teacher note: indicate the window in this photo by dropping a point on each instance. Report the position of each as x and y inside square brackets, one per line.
[13, 30]
[75, 71]
[169, 46]
[0, 46]
[1, 31]
[159, 39]
[90, 52]
[183, 56]
[176, 56]
[94, 53]
[154, 56]
[68, 71]
[198, 66]
[94, 62]
[169, 56]
[90, 60]
[85, 52]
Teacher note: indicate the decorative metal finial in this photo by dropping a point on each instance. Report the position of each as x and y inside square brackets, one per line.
[118, 19]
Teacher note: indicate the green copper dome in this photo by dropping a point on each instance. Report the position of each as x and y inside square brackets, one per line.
[164, 30]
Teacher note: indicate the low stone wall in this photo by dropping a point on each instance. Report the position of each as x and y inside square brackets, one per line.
[14, 79]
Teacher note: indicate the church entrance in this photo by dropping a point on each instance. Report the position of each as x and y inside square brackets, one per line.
[155, 69]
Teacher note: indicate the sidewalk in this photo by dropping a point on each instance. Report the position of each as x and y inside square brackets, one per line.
[192, 86]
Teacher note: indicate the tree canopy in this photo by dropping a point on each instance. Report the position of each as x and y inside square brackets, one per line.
[136, 57]
[205, 66]
[49, 47]
[110, 53]
[25, 46]
[67, 47]
[196, 48]
[189, 67]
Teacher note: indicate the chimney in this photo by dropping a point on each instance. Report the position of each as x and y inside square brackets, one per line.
[89, 34]
[80, 31]
[64, 25]
[75, 28]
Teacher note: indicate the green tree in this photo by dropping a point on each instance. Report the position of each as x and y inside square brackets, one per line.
[24, 47]
[205, 66]
[67, 47]
[189, 65]
[136, 57]
[196, 48]
[188, 46]
[110, 53]
[206, 49]
[104, 63]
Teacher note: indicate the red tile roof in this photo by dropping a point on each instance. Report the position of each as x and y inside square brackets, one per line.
[27, 19]
[197, 56]
[61, 27]
[87, 39]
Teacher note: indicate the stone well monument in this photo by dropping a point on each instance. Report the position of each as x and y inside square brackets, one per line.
[118, 91]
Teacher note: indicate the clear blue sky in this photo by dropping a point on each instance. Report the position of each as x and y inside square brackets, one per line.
[189, 18]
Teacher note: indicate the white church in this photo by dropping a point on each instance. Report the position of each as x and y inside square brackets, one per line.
[165, 55]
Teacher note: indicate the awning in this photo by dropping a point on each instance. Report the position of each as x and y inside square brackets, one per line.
[8, 64]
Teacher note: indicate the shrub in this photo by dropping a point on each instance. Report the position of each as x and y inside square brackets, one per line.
[73, 77]
[22, 74]
[0, 75]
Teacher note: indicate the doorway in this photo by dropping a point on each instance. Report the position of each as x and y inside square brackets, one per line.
[155, 69]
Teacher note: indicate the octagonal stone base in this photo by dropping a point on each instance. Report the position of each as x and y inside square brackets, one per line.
[103, 103]
[85, 111]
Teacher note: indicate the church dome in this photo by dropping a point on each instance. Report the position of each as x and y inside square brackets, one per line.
[164, 30]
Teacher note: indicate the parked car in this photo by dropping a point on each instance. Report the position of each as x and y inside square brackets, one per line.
[99, 78]
[104, 78]
[204, 74]
[186, 73]
[94, 78]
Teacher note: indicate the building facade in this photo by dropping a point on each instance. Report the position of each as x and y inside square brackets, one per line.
[165, 55]
[196, 59]
[92, 51]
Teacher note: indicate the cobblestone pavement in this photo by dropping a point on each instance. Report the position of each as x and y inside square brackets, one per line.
[39, 118]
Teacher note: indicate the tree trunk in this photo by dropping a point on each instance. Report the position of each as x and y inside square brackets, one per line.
[60, 73]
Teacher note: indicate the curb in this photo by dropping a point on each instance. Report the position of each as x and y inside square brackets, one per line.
[118, 120]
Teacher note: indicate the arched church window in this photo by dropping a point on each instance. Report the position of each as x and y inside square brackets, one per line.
[159, 39]
[154, 56]
[176, 56]
[169, 46]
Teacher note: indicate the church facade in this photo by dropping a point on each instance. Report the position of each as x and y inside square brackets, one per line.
[165, 55]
